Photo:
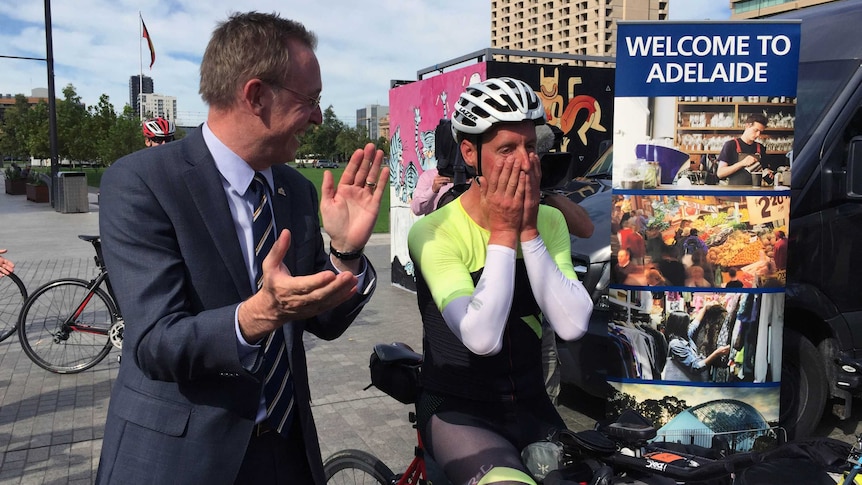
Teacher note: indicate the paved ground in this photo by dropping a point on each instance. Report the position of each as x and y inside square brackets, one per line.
[51, 426]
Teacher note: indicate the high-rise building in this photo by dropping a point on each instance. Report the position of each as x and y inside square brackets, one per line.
[369, 118]
[754, 9]
[579, 27]
[160, 105]
[135, 83]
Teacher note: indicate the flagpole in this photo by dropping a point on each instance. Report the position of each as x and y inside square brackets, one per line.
[141, 63]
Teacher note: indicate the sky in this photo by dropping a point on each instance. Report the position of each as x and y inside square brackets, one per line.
[362, 45]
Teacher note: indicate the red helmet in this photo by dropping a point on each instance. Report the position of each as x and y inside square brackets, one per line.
[159, 128]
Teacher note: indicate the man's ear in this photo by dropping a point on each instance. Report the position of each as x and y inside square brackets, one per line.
[256, 96]
[469, 153]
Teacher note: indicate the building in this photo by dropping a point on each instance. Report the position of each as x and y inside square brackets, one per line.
[753, 9]
[369, 118]
[159, 105]
[579, 27]
[134, 90]
[8, 100]
[384, 126]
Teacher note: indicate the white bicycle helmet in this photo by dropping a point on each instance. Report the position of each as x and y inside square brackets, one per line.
[495, 100]
[159, 128]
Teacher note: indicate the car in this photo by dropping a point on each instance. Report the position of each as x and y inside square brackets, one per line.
[582, 362]
[325, 164]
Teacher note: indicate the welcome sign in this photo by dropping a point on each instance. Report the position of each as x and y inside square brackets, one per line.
[707, 58]
[704, 116]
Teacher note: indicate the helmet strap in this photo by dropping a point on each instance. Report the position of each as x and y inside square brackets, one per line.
[478, 142]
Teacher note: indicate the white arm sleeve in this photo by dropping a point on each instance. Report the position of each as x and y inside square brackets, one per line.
[564, 302]
[480, 319]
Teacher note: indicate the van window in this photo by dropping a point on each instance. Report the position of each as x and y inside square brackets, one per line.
[819, 84]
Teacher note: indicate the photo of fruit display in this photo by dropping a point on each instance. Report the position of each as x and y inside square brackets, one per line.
[695, 241]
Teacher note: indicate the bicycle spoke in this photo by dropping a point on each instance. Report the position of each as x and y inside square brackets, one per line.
[63, 331]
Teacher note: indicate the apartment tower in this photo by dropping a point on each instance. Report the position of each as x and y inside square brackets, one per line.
[579, 27]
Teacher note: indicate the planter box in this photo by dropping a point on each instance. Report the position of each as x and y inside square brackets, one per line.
[37, 193]
[16, 186]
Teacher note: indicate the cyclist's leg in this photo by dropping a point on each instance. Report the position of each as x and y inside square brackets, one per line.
[473, 455]
[467, 440]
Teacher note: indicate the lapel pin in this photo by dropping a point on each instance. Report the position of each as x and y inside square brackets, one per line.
[280, 191]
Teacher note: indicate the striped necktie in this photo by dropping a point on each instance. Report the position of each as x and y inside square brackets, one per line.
[278, 383]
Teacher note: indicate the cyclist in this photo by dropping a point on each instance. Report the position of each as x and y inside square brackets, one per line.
[158, 131]
[6, 266]
[488, 266]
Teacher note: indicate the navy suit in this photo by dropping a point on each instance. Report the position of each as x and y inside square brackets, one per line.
[183, 406]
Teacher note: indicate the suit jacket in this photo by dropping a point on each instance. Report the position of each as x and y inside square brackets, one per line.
[183, 406]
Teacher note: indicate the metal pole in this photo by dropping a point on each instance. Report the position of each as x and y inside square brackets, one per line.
[52, 105]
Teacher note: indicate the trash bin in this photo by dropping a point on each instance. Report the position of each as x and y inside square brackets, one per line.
[72, 192]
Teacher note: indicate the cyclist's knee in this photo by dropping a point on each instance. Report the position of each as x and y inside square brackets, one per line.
[500, 475]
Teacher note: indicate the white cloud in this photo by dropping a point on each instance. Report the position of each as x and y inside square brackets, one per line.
[362, 45]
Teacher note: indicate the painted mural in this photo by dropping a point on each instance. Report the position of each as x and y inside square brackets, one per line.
[582, 109]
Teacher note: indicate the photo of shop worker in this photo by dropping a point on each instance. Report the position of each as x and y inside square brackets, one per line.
[695, 336]
[739, 162]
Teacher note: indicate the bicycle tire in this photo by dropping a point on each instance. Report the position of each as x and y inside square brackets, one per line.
[356, 467]
[41, 320]
[13, 294]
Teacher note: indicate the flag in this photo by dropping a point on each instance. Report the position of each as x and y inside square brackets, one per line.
[149, 43]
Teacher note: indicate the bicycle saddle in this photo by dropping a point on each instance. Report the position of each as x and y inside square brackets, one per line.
[397, 352]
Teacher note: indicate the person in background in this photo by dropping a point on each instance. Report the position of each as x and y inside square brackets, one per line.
[216, 257]
[779, 249]
[158, 131]
[487, 266]
[733, 282]
[429, 188]
[6, 266]
[741, 156]
[684, 363]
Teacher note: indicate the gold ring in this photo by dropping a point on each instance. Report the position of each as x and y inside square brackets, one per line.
[370, 184]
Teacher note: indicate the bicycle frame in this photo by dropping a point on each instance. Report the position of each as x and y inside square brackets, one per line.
[92, 286]
[416, 473]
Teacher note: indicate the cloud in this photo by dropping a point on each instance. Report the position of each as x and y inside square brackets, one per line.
[97, 45]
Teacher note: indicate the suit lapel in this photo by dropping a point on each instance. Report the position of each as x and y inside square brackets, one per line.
[281, 208]
[205, 187]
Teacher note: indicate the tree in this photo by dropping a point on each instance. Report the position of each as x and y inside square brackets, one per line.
[73, 121]
[103, 118]
[12, 137]
[122, 138]
[383, 144]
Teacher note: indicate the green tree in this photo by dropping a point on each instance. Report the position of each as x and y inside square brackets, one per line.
[349, 140]
[34, 131]
[122, 138]
[103, 118]
[12, 132]
[74, 141]
[383, 144]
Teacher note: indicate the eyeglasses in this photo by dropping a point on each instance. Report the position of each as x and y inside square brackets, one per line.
[313, 102]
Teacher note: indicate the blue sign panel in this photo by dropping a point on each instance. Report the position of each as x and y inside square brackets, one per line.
[707, 59]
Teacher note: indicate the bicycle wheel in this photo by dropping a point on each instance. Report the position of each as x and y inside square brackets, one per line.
[356, 467]
[64, 331]
[12, 296]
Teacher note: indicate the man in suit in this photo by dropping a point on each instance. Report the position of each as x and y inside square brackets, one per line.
[179, 227]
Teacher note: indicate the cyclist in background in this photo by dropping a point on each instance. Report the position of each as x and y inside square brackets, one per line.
[158, 131]
[488, 266]
[6, 266]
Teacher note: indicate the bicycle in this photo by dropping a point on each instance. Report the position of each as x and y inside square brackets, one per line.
[13, 293]
[69, 325]
[617, 449]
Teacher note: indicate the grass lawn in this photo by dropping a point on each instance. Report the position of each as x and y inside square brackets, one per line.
[316, 177]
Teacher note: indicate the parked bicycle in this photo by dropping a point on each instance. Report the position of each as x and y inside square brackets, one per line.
[69, 325]
[621, 451]
[12, 296]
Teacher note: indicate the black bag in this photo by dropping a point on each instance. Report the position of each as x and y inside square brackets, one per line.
[395, 370]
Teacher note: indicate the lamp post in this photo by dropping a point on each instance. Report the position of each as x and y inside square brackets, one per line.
[52, 105]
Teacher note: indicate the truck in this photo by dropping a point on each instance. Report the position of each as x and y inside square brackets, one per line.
[822, 352]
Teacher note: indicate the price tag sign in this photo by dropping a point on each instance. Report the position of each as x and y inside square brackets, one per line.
[768, 208]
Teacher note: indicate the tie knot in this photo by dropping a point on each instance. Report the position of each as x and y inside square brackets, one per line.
[258, 184]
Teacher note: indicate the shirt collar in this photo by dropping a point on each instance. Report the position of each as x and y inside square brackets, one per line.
[232, 168]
